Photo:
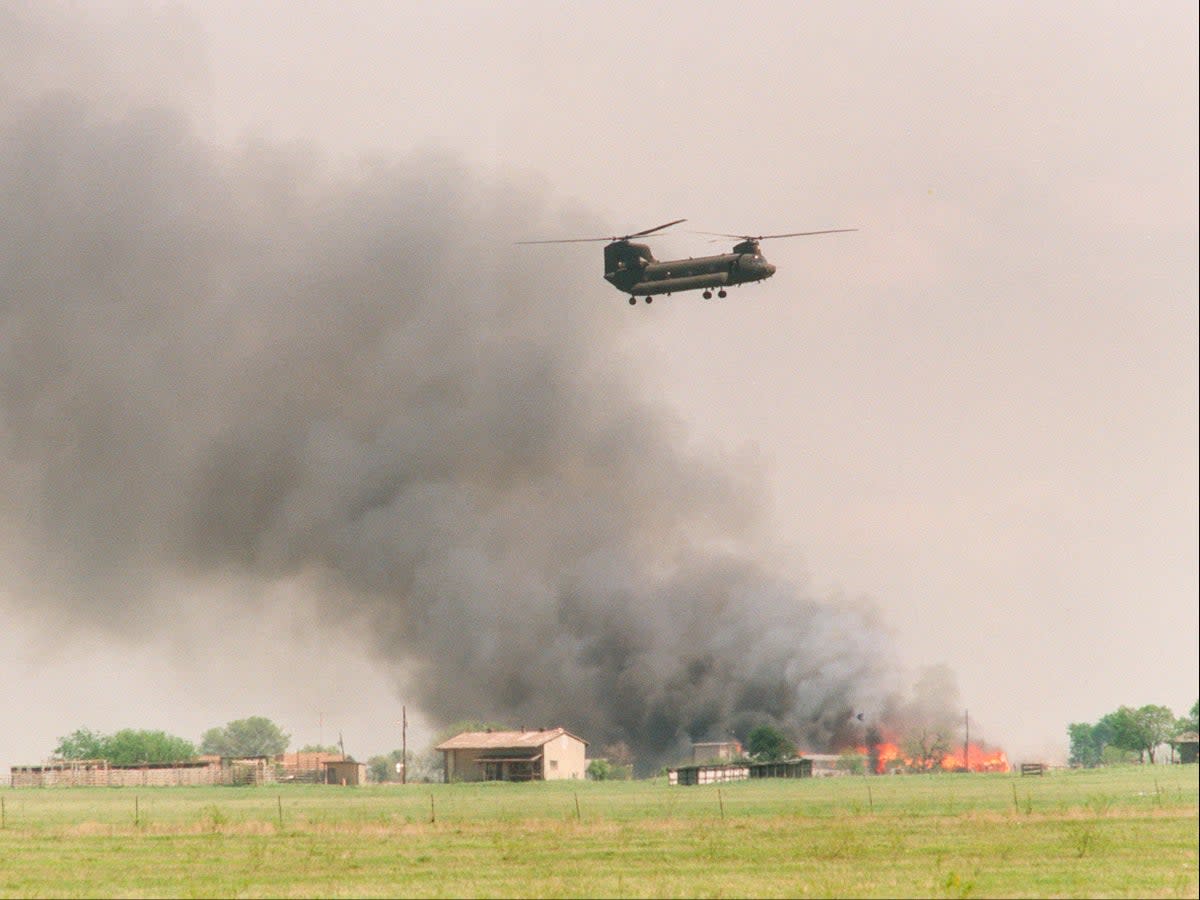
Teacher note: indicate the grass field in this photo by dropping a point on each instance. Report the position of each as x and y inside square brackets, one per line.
[1128, 832]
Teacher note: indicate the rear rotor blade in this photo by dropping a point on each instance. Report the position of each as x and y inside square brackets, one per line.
[764, 237]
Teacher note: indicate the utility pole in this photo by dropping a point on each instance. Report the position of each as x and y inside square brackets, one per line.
[404, 745]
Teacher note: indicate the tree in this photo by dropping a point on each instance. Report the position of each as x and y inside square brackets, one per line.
[319, 748]
[82, 743]
[768, 743]
[427, 766]
[127, 747]
[852, 763]
[1190, 722]
[1141, 730]
[382, 768]
[599, 770]
[1087, 745]
[925, 749]
[620, 760]
[255, 736]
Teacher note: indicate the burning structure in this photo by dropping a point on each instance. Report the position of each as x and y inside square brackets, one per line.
[885, 756]
[925, 732]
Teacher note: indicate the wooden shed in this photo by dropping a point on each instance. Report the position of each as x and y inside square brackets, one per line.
[1186, 745]
[543, 755]
[345, 771]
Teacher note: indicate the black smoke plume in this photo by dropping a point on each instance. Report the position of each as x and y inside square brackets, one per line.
[219, 363]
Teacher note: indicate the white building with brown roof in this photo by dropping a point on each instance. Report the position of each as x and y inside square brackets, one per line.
[543, 755]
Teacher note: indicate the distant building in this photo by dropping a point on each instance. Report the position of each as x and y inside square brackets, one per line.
[305, 767]
[543, 755]
[715, 751]
[722, 772]
[1186, 746]
[825, 765]
[345, 772]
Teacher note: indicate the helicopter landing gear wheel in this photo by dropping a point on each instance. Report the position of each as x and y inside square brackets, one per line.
[721, 293]
[707, 295]
[649, 299]
[633, 301]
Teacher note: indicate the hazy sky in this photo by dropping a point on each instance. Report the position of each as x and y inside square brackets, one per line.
[979, 412]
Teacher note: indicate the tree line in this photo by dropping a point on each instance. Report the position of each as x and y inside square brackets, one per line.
[255, 736]
[1127, 733]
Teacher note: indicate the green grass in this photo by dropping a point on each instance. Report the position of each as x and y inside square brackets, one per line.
[1124, 832]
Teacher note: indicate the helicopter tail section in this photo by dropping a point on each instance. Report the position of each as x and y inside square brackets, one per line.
[622, 256]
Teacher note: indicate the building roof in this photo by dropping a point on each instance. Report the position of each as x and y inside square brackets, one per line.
[309, 760]
[504, 740]
[1188, 737]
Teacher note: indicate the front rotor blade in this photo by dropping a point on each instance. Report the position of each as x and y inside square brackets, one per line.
[569, 240]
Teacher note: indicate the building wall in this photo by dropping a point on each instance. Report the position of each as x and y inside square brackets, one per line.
[251, 771]
[461, 765]
[345, 772]
[828, 765]
[564, 758]
[107, 776]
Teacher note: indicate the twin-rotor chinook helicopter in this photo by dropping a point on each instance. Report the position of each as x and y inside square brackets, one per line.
[632, 269]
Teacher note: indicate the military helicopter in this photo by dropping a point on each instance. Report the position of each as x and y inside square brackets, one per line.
[632, 269]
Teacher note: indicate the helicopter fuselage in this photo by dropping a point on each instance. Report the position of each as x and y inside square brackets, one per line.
[633, 270]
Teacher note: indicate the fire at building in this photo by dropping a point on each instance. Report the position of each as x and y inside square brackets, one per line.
[885, 756]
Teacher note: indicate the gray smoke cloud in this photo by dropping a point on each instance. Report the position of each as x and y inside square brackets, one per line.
[219, 363]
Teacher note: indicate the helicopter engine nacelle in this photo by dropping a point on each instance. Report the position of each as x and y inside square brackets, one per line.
[621, 256]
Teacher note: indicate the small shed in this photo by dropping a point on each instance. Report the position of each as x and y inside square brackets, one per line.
[306, 768]
[543, 755]
[1186, 746]
[345, 771]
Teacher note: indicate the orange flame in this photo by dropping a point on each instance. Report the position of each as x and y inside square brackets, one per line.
[978, 759]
